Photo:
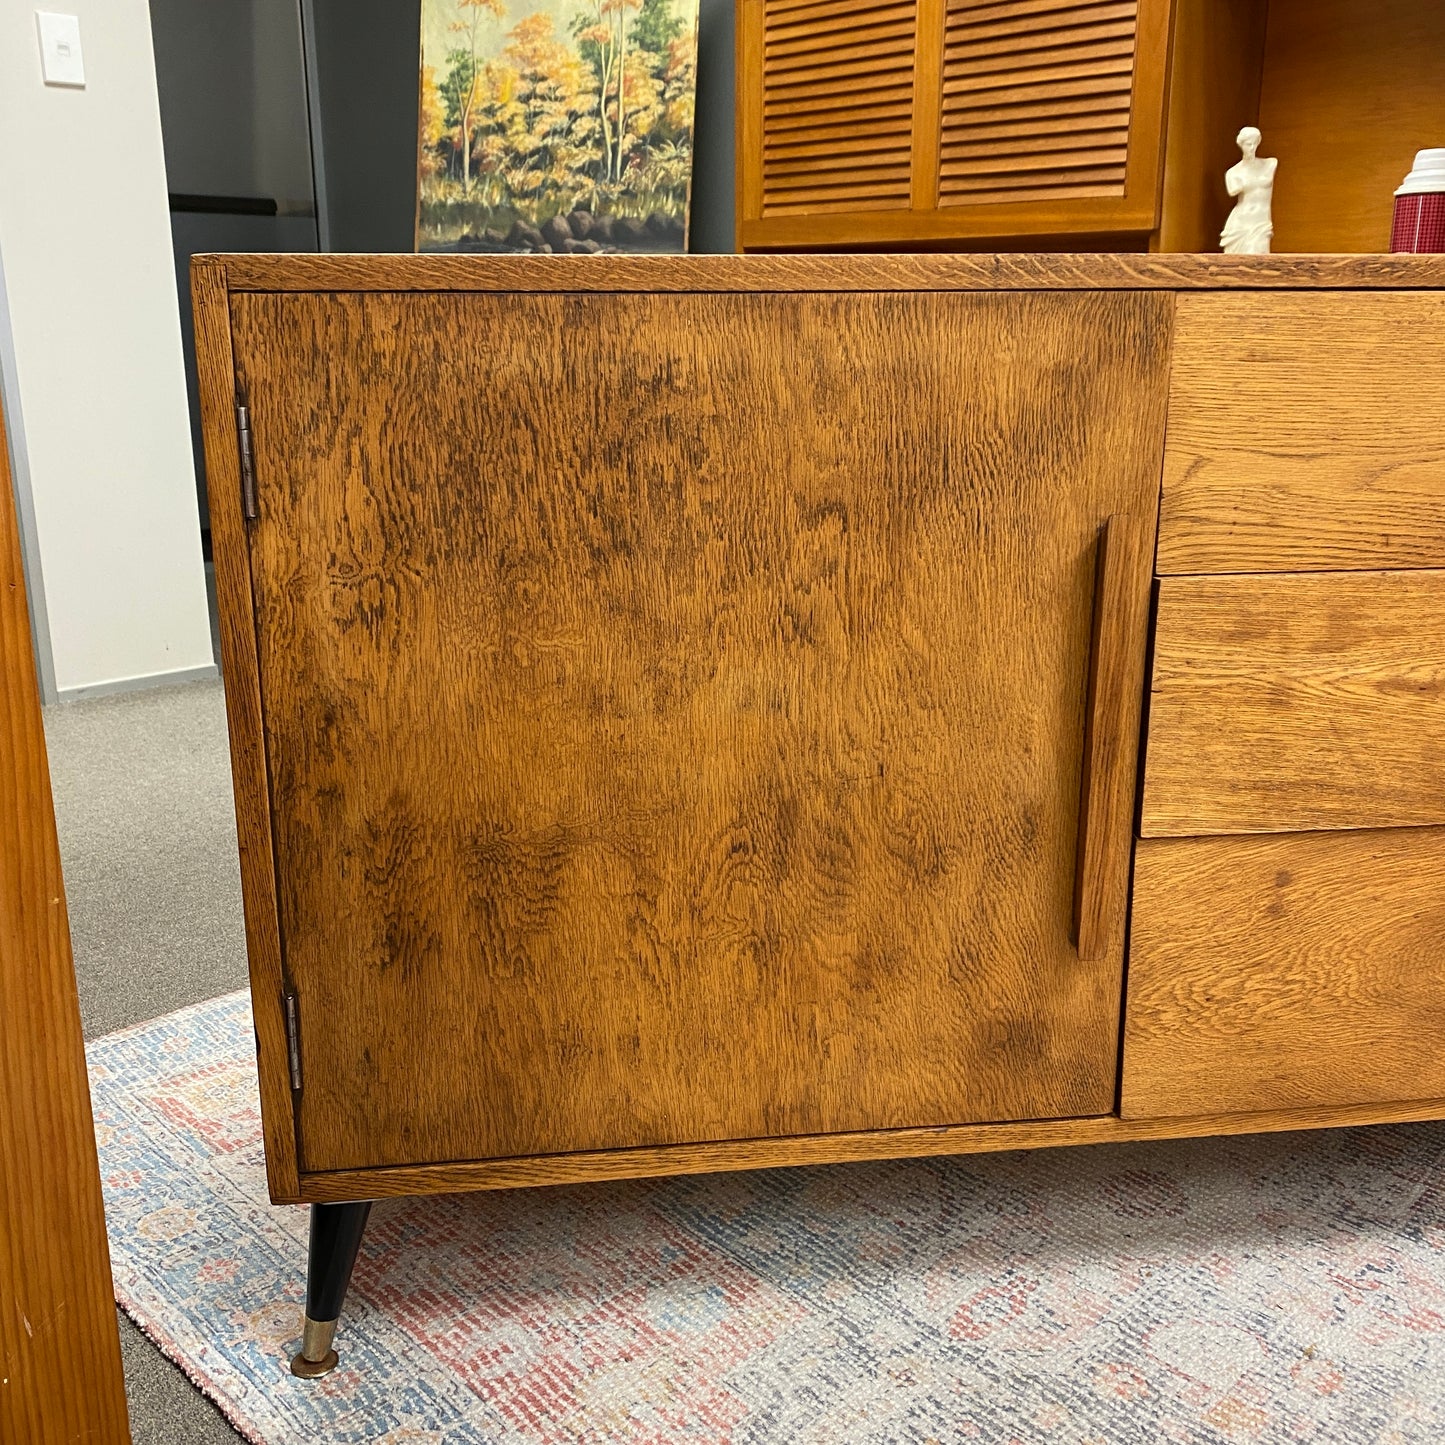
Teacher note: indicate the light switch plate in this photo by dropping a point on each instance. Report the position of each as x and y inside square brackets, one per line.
[61, 62]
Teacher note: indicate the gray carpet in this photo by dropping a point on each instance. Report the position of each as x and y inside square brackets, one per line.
[147, 837]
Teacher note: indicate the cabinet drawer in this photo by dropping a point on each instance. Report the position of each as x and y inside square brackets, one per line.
[1305, 432]
[1287, 702]
[1286, 971]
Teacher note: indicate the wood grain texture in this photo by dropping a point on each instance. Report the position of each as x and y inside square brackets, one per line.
[1111, 731]
[60, 1370]
[649, 766]
[1350, 92]
[1305, 432]
[1216, 59]
[1280, 972]
[217, 381]
[826, 273]
[1283, 702]
[838, 1149]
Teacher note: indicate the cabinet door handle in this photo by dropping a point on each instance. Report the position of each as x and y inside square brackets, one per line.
[1111, 723]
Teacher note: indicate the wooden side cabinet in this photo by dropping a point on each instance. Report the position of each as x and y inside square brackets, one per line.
[687, 712]
[1073, 125]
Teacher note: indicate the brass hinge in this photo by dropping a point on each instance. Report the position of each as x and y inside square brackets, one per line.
[248, 465]
[293, 1038]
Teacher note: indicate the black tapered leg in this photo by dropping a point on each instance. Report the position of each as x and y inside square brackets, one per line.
[336, 1231]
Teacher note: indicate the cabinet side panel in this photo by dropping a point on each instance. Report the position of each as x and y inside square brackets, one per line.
[748, 85]
[216, 372]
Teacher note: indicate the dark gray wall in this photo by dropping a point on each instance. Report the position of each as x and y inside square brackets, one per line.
[711, 226]
[366, 73]
[367, 66]
[233, 99]
[232, 84]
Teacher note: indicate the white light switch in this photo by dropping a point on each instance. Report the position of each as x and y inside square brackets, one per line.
[60, 59]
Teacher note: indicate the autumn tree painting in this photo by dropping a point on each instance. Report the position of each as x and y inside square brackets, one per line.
[555, 125]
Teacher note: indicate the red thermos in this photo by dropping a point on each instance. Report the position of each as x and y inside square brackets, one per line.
[1420, 206]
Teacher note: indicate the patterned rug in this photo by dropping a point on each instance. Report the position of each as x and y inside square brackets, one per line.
[1286, 1288]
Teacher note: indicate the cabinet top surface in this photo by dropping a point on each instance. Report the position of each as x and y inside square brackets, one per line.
[819, 272]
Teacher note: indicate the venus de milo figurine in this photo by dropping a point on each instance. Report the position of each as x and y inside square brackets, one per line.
[1250, 225]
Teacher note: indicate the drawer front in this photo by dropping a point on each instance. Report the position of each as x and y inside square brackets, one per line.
[1281, 972]
[1288, 702]
[1305, 432]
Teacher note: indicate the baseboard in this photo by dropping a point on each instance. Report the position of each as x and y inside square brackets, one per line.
[137, 684]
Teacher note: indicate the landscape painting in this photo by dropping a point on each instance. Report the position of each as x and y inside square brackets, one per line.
[555, 125]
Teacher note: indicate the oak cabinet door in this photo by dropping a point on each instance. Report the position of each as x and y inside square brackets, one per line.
[674, 706]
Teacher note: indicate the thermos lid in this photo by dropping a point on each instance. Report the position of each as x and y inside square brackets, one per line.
[1428, 174]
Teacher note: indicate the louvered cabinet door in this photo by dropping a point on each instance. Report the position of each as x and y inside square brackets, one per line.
[1052, 112]
[830, 108]
[938, 121]
[837, 106]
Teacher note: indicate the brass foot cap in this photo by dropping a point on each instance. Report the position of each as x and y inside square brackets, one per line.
[305, 1369]
[315, 1357]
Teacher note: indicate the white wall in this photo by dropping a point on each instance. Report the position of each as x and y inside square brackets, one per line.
[96, 353]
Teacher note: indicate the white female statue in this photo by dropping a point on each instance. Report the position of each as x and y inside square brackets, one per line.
[1249, 227]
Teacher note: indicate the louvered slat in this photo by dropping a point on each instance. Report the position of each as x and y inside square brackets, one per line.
[987, 123]
[851, 152]
[1024, 26]
[837, 105]
[833, 108]
[1036, 98]
[808, 139]
[1007, 149]
[803, 39]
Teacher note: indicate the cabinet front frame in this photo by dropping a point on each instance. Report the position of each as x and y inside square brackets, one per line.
[214, 278]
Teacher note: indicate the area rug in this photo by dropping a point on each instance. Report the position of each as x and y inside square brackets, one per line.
[1285, 1288]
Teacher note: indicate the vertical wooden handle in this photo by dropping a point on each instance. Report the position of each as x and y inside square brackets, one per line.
[1111, 723]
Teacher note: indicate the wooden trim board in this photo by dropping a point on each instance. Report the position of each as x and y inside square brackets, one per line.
[60, 1370]
[741, 1154]
[822, 273]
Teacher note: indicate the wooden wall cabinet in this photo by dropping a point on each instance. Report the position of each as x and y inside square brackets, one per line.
[686, 713]
[1075, 124]
[929, 120]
